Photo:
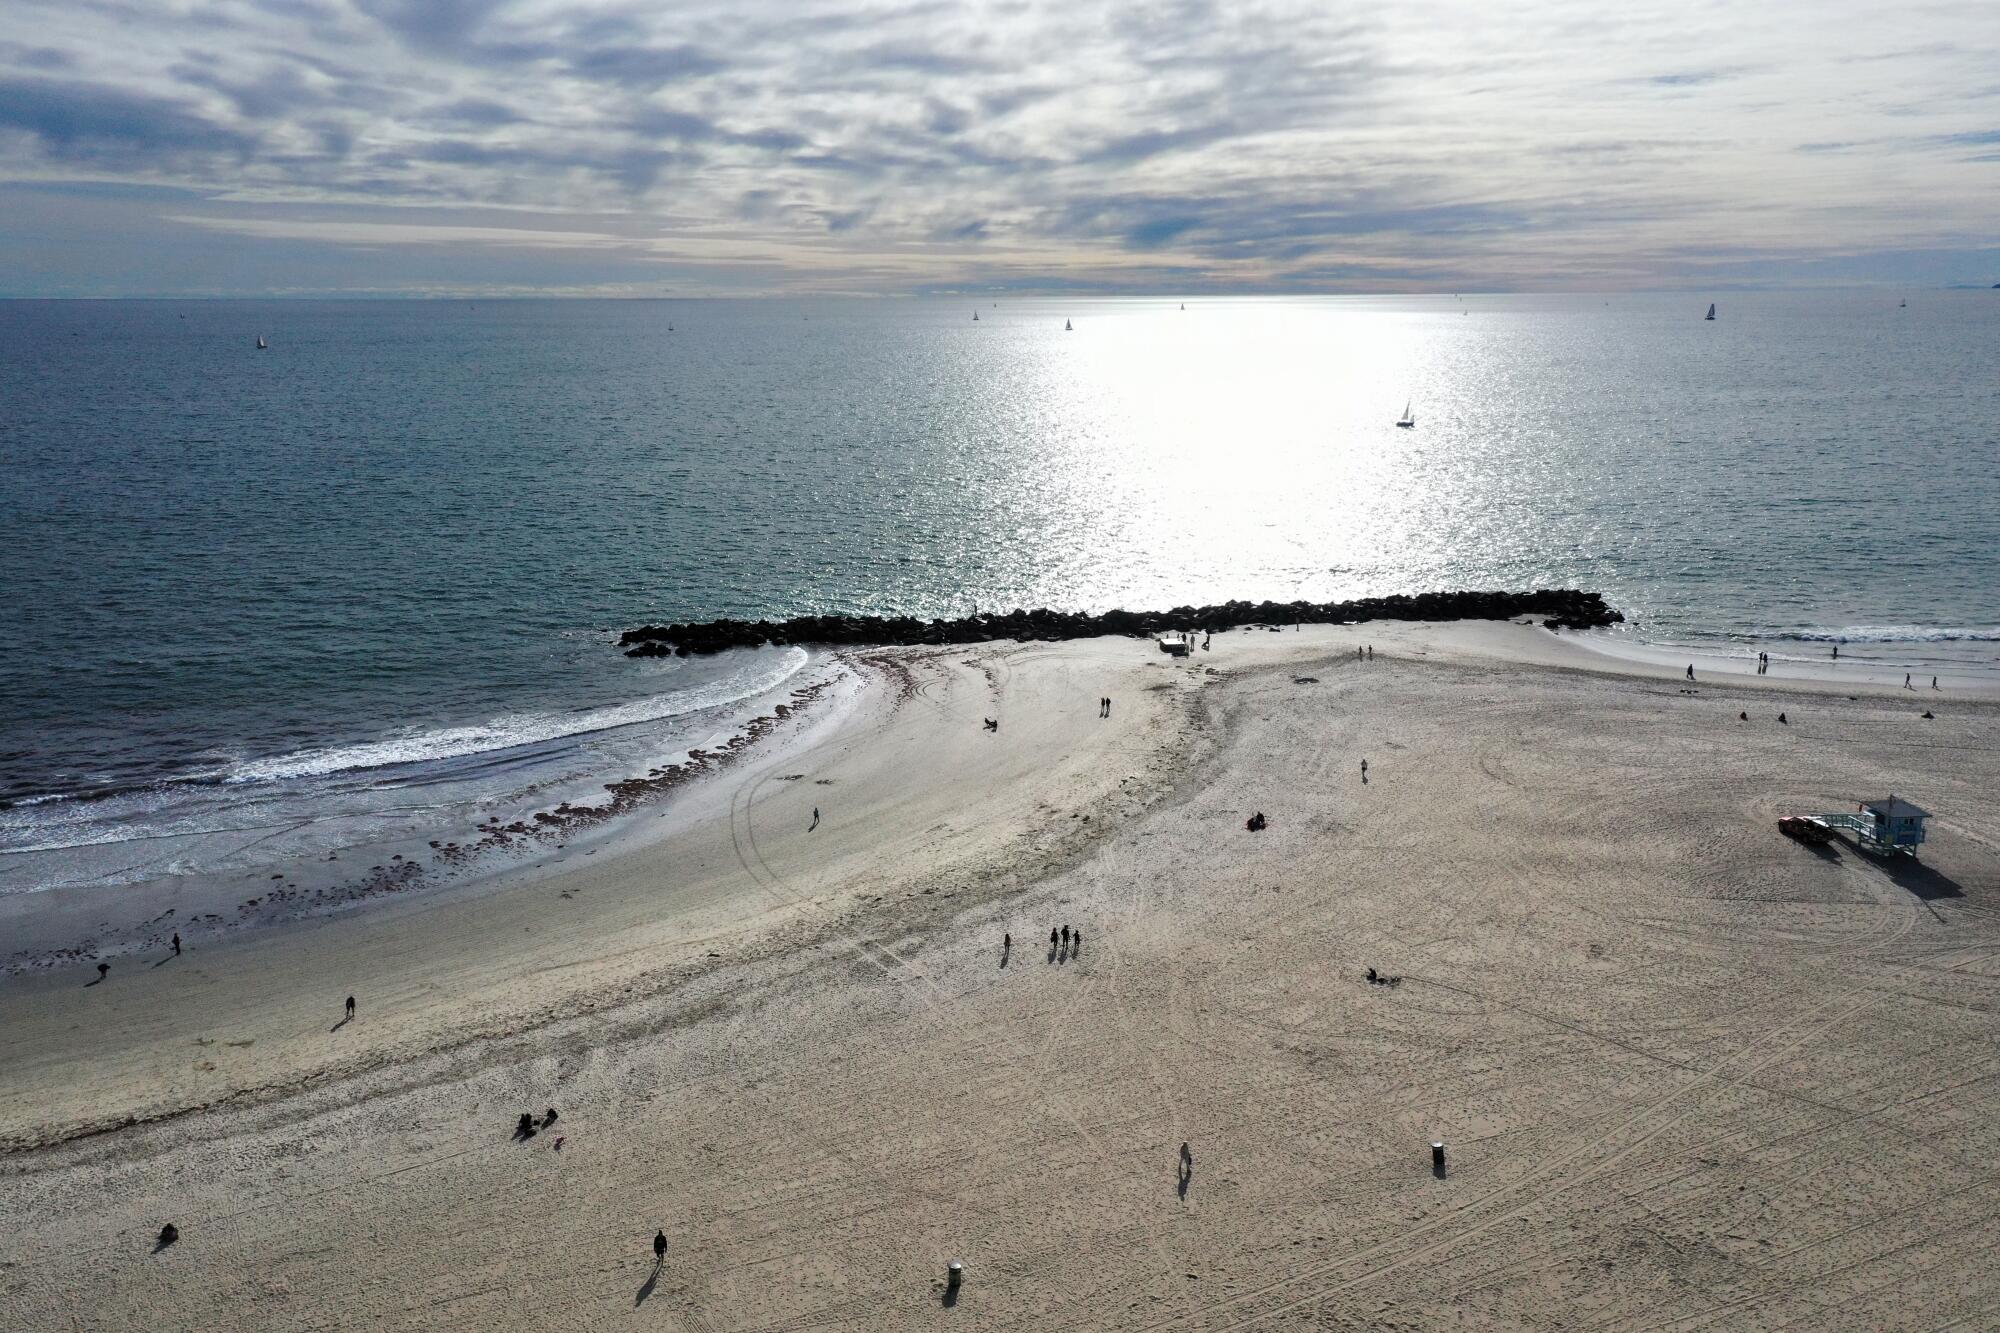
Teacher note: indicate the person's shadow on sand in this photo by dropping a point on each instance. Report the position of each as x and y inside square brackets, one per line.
[652, 1280]
[1183, 1179]
[341, 1024]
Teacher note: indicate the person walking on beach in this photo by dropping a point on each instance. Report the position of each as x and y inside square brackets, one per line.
[1906, 681]
[1690, 671]
[1933, 682]
[815, 823]
[350, 1006]
[1364, 768]
[659, 1248]
[1076, 944]
[1836, 652]
[103, 971]
[1065, 936]
[1052, 937]
[177, 944]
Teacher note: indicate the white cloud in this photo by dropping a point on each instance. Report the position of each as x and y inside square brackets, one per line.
[1272, 143]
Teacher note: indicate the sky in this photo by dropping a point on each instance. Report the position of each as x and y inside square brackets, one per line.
[748, 147]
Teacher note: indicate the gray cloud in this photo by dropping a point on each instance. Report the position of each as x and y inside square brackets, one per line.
[83, 122]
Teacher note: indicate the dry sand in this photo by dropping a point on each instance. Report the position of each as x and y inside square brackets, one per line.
[1691, 1074]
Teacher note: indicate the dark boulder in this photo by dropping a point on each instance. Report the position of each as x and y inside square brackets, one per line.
[1560, 608]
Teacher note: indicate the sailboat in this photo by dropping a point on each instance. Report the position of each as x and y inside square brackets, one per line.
[1068, 327]
[1408, 420]
[1711, 311]
[1184, 305]
[261, 344]
[1903, 304]
[975, 317]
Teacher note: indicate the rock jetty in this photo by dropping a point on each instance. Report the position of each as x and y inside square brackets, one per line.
[1558, 608]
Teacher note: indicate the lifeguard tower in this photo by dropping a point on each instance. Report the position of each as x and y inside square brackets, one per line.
[1890, 825]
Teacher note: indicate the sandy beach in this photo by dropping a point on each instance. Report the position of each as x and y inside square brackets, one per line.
[1689, 1074]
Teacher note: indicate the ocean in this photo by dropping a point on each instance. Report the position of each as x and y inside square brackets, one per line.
[362, 585]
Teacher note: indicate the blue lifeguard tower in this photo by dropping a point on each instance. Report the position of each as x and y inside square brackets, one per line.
[1890, 825]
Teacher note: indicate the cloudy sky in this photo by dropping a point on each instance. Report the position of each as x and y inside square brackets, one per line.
[746, 146]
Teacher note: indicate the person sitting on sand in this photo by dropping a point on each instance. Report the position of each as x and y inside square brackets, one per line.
[525, 1127]
[550, 1118]
[1371, 976]
[1781, 718]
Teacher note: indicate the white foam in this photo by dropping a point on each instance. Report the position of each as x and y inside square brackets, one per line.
[1897, 634]
[506, 733]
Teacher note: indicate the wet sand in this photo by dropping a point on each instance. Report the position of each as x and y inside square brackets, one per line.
[1689, 1074]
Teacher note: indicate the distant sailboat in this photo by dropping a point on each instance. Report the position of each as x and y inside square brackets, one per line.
[975, 317]
[261, 344]
[1068, 327]
[1903, 304]
[1711, 311]
[1184, 305]
[1408, 420]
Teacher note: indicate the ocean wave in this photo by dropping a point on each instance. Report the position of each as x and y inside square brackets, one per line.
[1896, 634]
[507, 733]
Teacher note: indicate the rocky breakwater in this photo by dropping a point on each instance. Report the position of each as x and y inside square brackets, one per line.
[1558, 608]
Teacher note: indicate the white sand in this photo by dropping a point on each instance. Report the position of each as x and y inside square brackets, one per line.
[1691, 1074]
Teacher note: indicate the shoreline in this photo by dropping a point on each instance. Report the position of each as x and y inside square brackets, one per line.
[70, 926]
[1963, 668]
[62, 925]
